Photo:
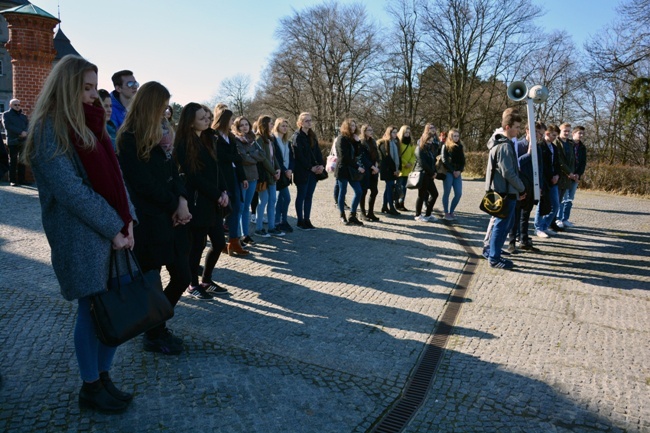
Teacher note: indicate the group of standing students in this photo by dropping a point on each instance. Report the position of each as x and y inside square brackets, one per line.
[361, 162]
[169, 191]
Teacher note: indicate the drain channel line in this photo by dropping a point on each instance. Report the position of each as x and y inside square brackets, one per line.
[417, 387]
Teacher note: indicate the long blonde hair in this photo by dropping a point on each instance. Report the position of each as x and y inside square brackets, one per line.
[279, 121]
[60, 101]
[144, 118]
[450, 143]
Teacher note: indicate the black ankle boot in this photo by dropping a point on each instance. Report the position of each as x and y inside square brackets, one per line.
[112, 390]
[95, 396]
[343, 219]
[353, 220]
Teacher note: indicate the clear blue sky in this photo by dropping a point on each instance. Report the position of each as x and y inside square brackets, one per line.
[191, 46]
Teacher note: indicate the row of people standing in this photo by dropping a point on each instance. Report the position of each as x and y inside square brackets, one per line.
[361, 162]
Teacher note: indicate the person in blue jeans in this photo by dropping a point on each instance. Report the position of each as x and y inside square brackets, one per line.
[453, 158]
[308, 163]
[389, 167]
[502, 176]
[349, 169]
[267, 195]
[285, 160]
[580, 152]
[551, 172]
[251, 155]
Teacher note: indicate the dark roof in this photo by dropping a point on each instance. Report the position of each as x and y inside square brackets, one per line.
[62, 45]
[30, 9]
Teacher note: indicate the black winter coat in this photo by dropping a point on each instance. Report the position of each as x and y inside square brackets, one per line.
[155, 188]
[204, 185]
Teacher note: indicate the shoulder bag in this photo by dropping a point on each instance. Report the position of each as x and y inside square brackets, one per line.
[492, 202]
[129, 308]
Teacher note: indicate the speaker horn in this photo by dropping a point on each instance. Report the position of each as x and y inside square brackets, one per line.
[538, 93]
[517, 91]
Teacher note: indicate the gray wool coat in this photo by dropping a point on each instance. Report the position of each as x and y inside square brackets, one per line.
[79, 223]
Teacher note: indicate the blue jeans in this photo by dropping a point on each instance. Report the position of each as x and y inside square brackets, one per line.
[543, 222]
[388, 194]
[500, 231]
[92, 355]
[245, 211]
[567, 202]
[234, 231]
[282, 206]
[343, 188]
[267, 202]
[448, 183]
[304, 197]
[336, 192]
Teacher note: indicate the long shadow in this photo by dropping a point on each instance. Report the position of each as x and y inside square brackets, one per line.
[232, 384]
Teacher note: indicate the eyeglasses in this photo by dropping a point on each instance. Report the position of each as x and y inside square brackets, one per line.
[132, 84]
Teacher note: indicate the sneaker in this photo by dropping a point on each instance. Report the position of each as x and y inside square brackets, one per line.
[512, 248]
[541, 234]
[213, 288]
[502, 264]
[262, 233]
[164, 343]
[285, 227]
[253, 218]
[198, 293]
[422, 218]
[486, 253]
[568, 223]
[527, 246]
[449, 217]
[555, 228]
[301, 225]
[276, 232]
[559, 224]
[247, 240]
[550, 232]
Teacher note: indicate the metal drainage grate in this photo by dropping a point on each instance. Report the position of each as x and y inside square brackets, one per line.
[417, 387]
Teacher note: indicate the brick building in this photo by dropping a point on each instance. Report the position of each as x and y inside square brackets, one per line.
[40, 54]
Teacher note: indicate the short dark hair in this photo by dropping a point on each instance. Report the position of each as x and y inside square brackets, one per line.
[117, 77]
[103, 94]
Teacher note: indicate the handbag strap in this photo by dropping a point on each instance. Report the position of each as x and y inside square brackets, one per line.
[494, 163]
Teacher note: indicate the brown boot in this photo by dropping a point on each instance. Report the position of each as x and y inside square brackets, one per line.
[235, 248]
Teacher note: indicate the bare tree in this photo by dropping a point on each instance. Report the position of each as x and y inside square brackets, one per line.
[234, 91]
[404, 60]
[327, 57]
[478, 42]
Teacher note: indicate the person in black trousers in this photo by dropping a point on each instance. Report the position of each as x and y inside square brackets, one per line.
[370, 160]
[208, 195]
[154, 185]
[425, 161]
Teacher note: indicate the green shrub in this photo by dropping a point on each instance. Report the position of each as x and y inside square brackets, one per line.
[617, 179]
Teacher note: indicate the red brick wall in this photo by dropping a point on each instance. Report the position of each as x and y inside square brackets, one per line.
[31, 47]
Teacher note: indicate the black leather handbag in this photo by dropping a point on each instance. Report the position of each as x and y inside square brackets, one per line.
[129, 308]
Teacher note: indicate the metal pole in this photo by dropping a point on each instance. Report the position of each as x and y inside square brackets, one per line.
[533, 149]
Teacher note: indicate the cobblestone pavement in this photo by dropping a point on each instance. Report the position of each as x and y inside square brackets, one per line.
[323, 328]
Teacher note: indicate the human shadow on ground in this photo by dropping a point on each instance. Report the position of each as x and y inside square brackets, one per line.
[234, 384]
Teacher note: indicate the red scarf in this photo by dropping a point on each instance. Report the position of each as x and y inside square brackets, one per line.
[101, 165]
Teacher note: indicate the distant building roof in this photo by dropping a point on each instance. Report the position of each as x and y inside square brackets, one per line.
[30, 9]
[62, 45]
